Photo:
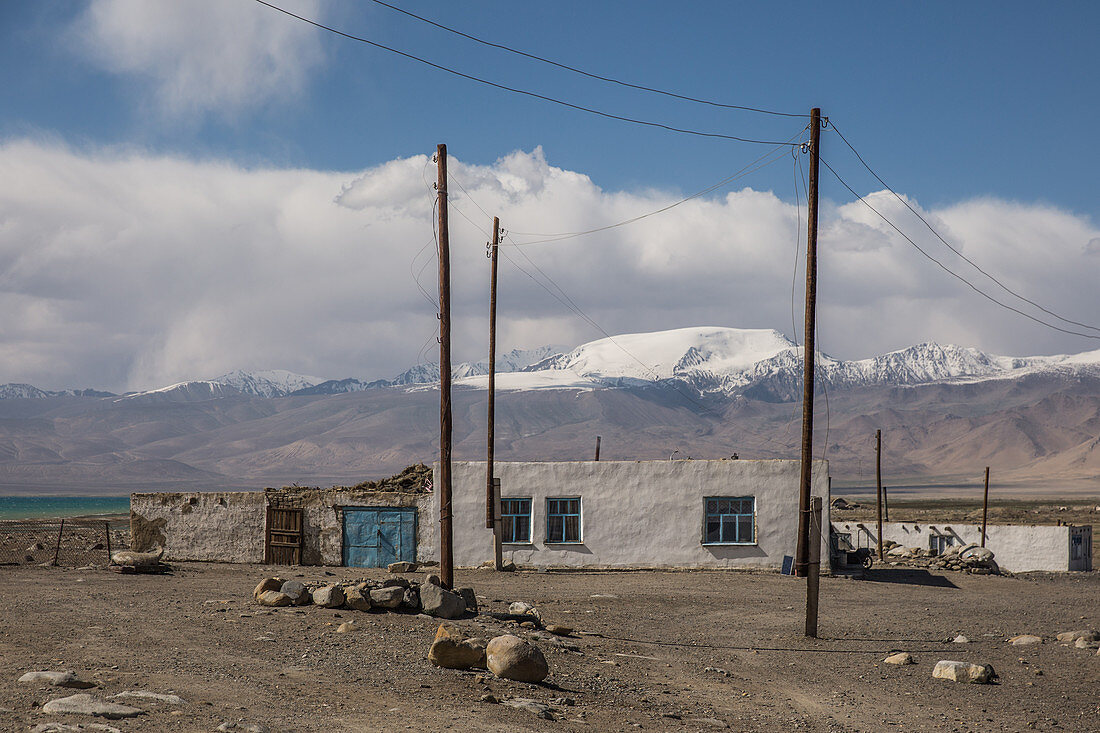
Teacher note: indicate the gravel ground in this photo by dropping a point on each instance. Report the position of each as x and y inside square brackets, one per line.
[671, 651]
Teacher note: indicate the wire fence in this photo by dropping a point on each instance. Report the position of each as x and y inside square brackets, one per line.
[63, 542]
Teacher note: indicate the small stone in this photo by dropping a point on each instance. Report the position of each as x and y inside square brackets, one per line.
[402, 567]
[389, 597]
[85, 704]
[960, 639]
[298, 593]
[274, 598]
[980, 674]
[541, 710]
[346, 627]
[452, 649]
[329, 596]
[1025, 640]
[528, 624]
[559, 630]
[513, 658]
[1069, 637]
[54, 727]
[56, 679]
[267, 584]
[354, 599]
[489, 698]
[1083, 643]
[521, 608]
[395, 582]
[411, 599]
[899, 658]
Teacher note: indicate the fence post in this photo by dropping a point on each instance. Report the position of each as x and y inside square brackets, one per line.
[107, 528]
[57, 547]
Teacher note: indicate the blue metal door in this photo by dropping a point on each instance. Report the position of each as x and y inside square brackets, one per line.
[374, 537]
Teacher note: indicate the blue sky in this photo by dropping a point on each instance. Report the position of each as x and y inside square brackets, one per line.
[134, 129]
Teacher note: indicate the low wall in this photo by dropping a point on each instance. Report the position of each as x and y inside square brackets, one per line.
[637, 513]
[229, 526]
[1016, 548]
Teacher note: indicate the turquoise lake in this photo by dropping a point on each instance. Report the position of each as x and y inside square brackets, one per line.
[43, 507]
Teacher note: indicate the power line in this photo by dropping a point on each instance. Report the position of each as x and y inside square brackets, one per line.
[582, 72]
[514, 90]
[948, 270]
[752, 167]
[966, 259]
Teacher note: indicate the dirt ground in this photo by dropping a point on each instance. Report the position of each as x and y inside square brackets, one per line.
[1003, 511]
[645, 641]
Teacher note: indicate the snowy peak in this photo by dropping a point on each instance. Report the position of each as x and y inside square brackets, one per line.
[28, 391]
[267, 383]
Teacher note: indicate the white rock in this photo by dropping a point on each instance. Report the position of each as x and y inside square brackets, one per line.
[330, 596]
[960, 639]
[146, 695]
[1025, 640]
[899, 658]
[979, 674]
[63, 727]
[85, 704]
[57, 679]
[1069, 637]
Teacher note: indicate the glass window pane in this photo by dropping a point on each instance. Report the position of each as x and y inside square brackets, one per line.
[713, 534]
[506, 529]
[744, 529]
[554, 528]
[729, 529]
[574, 506]
[572, 529]
[523, 529]
[712, 506]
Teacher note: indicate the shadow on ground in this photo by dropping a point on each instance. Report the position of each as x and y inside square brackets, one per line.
[908, 576]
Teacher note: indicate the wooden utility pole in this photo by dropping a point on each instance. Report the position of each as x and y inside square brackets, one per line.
[446, 559]
[802, 551]
[878, 480]
[491, 502]
[597, 448]
[985, 504]
[814, 568]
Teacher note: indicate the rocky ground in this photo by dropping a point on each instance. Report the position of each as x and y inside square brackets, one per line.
[651, 650]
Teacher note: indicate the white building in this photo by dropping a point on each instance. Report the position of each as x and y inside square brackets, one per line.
[1016, 548]
[629, 514]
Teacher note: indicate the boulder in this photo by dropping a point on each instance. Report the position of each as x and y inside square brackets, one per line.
[522, 608]
[395, 582]
[452, 649]
[402, 567]
[1068, 637]
[354, 599]
[147, 695]
[267, 584]
[329, 596]
[979, 674]
[411, 600]
[536, 708]
[85, 704]
[899, 658]
[441, 603]
[297, 592]
[389, 597]
[55, 727]
[56, 679]
[559, 630]
[274, 598]
[513, 658]
[1025, 640]
[898, 551]
[431, 579]
[468, 598]
[138, 559]
[980, 554]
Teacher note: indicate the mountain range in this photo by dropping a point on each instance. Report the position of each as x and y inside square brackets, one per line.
[707, 392]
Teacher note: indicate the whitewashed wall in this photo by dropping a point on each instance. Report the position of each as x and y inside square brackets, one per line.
[1016, 548]
[636, 513]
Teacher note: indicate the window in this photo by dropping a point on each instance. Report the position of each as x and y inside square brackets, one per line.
[940, 542]
[563, 520]
[515, 515]
[730, 520]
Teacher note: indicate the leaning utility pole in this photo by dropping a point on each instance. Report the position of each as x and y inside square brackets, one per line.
[878, 479]
[446, 559]
[491, 500]
[802, 552]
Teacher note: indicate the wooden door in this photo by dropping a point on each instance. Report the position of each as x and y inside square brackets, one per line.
[284, 540]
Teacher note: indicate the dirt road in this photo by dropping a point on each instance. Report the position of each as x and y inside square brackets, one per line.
[645, 643]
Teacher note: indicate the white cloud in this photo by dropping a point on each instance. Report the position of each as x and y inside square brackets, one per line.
[204, 55]
[125, 270]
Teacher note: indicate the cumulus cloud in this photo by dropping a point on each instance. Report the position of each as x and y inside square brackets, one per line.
[123, 270]
[203, 55]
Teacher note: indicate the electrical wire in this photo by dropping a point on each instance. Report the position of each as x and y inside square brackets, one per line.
[954, 249]
[948, 270]
[515, 90]
[756, 165]
[582, 72]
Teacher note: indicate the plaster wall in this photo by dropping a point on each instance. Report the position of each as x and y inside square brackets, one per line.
[1016, 548]
[636, 513]
[230, 526]
[224, 526]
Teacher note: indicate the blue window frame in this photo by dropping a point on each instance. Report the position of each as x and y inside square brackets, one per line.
[563, 520]
[515, 525]
[729, 520]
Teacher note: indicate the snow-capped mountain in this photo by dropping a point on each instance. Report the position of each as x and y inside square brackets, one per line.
[27, 391]
[264, 383]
